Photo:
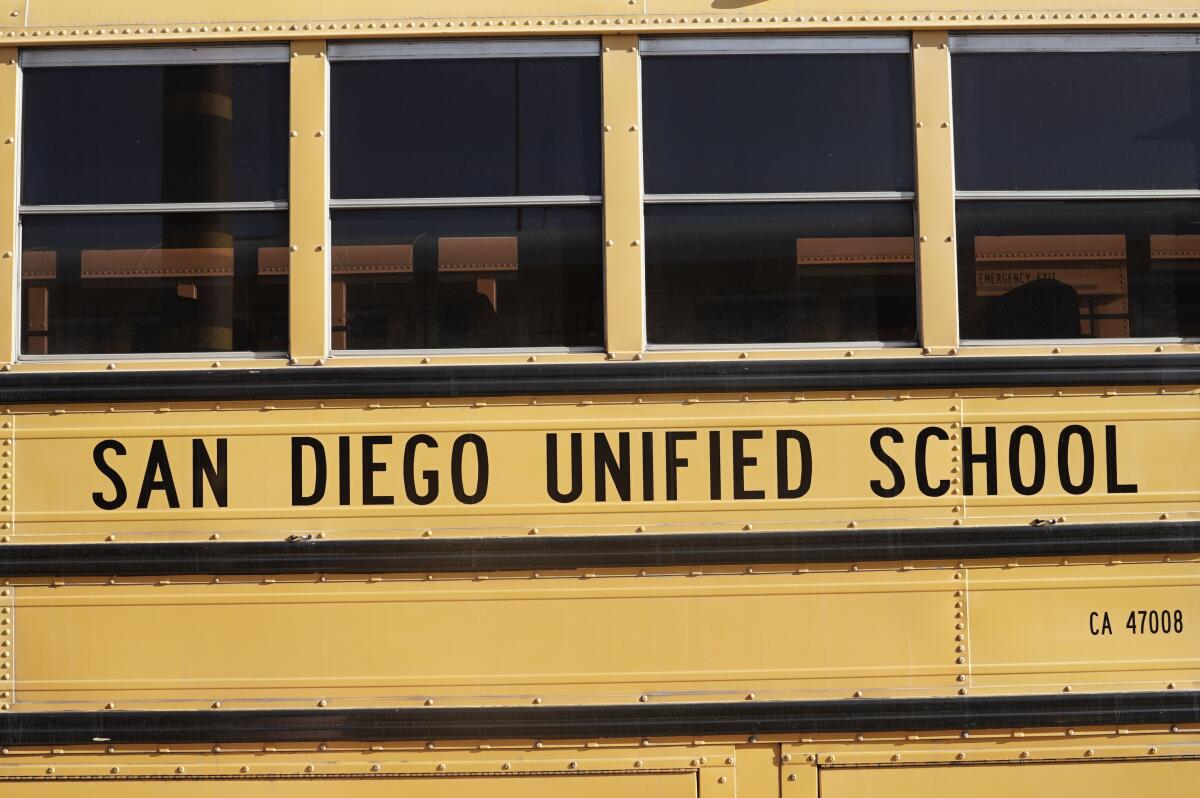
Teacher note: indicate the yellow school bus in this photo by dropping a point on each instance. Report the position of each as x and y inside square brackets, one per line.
[710, 398]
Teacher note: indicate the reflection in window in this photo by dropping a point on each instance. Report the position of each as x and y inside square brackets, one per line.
[483, 127]
[1077, 120]
[466, 183]
[145, 283]
[178, 171]
[1079, 269]
[145, 134]
[467, 278]
[749, 123]
[780, 273]
[779, 173]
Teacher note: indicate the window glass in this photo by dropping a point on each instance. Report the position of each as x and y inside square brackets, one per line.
[1041, 121]
[780, 273]
[144, 283]
[466, 128]
[1079, 269]
[467, 278]
[146, 134]
[777, 123]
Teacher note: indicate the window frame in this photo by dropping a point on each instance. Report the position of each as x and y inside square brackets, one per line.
[102, 57]
[1071, 42]
[469, 49]
[800, 44]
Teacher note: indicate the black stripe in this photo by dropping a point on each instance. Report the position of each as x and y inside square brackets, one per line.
[848, 715]
[331, 382]
[595, 551]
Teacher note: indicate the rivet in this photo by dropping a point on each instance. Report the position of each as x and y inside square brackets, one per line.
[1090, 752]
[1024, 755]
[572, 765]
[244, 769]
[895, 757]
[831, 758]
[375, 768]
[643, 698]
[50, 771]
[1153, 750]
[638, 763]
[322, 703]
[722, 780]
[960, 756]
[115, 771]
[440, 767]
[791, 777]
[180, 769]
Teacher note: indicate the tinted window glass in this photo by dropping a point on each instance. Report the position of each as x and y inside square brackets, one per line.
[777, 123]
[466, 128]
[155, 134]
[467, 278]
[144, 283]
[1077, 120]
[1095, 269]
[780, 273]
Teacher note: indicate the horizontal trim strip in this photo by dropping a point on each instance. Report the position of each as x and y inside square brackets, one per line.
[153, 207]
[449, 555]
[800, 196]
[848, 715]
[775, 45]
[617, 377]
[395, 50]
[1076, 42]
[154, 56]
[518, 201]
[1080, 194]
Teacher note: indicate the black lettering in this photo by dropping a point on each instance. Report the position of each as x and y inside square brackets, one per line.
[158, 477]
[1107, 627]
[923, 462]
[299, 498]
[742, 461]
[1110, 463]
[877, 438]
[456, 470]
[576, 489]
[782, 472]
[410, 468]
[1092, 623]
[344, 470]
[1064, 460]
[371, 467]
[988, 458]
[203, 469]
[675, 462]
[120, 493]
[648, 466]
[1039, 460]
[714, 465]
[612, 465]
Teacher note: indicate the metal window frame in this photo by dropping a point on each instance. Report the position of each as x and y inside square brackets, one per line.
[152, 207]
[400, 203]
[803, 44]
[780, 197]
[52, 57]
[1076, 42]
[1082, 194]
[406, 50]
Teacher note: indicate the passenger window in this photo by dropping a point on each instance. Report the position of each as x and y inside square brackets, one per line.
[153, 182]
[779, 178]
[466, 210]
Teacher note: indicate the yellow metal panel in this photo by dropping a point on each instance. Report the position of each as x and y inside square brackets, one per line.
[757, 770]
[624, 264]
[1044, 628]
[500, 640]
[936, 270]
[1122, 456]
[308, 278]
[1175, 779]
[649, 785]
[868, 458]
[10, 110]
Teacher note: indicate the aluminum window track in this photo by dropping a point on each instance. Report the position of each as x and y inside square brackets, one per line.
[1115, 194]
[1075, 42]
[154, 56]
[805, 196]
[401, 50]
[775, 45]
[152, 207]
[463, 202]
